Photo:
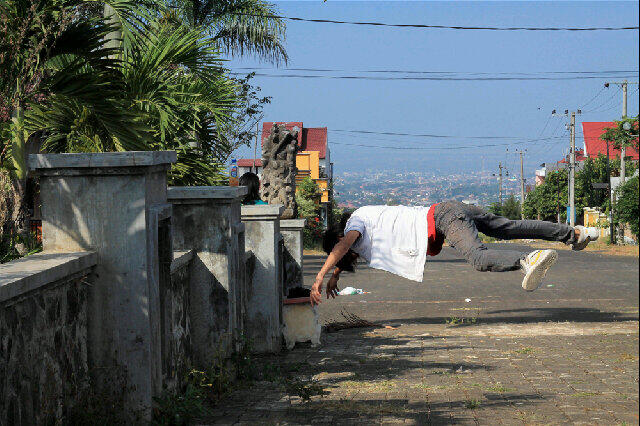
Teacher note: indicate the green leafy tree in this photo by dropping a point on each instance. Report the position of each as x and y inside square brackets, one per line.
[239, 27]
[546, 200]
[308, 196]
[619, 137]
[170, 84]
[52, 46]
[511, 208]
[627, 204]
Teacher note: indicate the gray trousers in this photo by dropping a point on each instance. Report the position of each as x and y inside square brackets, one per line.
[460, 223]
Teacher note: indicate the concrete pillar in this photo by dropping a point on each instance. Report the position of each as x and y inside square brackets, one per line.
[207, 220]
[113, 204]
[291, 230]
[264, 299]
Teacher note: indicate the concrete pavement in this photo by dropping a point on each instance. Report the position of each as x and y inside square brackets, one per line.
[564, 354]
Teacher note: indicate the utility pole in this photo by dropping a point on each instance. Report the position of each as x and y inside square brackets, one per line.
[521, 180]
[572, 172]
[521, 185]
[572, 166]
[499, 183]
[255, 148]
[623, 153]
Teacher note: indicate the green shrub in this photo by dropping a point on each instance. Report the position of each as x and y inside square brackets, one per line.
[627, 205]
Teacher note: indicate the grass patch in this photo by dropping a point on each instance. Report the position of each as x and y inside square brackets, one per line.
[363, 408]
[584, 394]
[370, 386]
[179, 409]
[472, 404]
[461, 320]
[627, 357]
[524, 351]
[487, 239]
[304, 389]
[498, 388]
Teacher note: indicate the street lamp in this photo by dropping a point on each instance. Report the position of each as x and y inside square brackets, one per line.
[626, 126]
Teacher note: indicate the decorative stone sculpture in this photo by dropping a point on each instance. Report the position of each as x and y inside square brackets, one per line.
[278, 184]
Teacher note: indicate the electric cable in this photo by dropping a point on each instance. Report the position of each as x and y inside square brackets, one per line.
[448, 27]
[356, 77]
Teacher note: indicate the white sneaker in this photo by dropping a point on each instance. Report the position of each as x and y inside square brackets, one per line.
[586, 236]
[535, 266]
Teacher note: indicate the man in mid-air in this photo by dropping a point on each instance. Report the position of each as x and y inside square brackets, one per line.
[398, 239]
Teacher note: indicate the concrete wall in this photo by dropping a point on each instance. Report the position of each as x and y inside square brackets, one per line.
[44, 371]
[291, 231]
[264, 298]
[177, 354]
[113, 204]
[207, 221]
[171, 286]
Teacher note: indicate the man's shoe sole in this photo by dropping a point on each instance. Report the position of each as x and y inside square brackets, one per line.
[535, 276]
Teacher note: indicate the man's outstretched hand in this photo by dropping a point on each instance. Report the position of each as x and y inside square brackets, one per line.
[316, 292]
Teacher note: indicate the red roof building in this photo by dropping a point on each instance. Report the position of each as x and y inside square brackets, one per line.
[248, 162]
[593, 145]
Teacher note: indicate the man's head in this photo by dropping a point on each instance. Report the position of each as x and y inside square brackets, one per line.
[332, 236]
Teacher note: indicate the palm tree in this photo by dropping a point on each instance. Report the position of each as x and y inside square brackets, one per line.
[172, 84]
[158, 88]
[48, 47]
[239, 27]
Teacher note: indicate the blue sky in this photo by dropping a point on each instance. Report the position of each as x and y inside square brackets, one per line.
[455, 108]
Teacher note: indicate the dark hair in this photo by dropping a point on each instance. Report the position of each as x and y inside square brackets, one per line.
[251, 181]
[331, 237]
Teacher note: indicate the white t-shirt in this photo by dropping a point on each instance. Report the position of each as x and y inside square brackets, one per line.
[392, 238]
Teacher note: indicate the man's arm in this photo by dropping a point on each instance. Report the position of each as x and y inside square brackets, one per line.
[339, 250]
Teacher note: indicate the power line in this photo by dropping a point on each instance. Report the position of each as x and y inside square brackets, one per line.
[612, 97]
[430, 135]
[592, 99]
[446, 78]
[403, 148]
[436, 72]
[447, 27]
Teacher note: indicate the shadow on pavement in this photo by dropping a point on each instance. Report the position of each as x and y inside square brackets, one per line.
[524, 316]
[351, 410]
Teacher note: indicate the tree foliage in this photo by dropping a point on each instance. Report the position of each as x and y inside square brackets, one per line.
[307, 197]
[239, 27]
[627, 204]
[546, 200]
[509, 209]
[619, 137]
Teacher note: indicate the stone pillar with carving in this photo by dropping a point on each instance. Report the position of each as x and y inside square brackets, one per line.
[278, 184]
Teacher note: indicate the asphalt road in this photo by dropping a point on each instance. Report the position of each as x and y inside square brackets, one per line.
[581, 286]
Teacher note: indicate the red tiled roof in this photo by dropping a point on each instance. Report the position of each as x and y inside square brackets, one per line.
[309, 139]
[315, 139]
[248, 162]
[594, 145]
[289, 125]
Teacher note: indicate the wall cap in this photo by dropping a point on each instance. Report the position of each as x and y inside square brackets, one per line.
[180, 259]
[262, 212]
[101, 159]
[32, 272]
[206, 192]
[292, 223]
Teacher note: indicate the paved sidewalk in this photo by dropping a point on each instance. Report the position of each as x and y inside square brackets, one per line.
[567, 353]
